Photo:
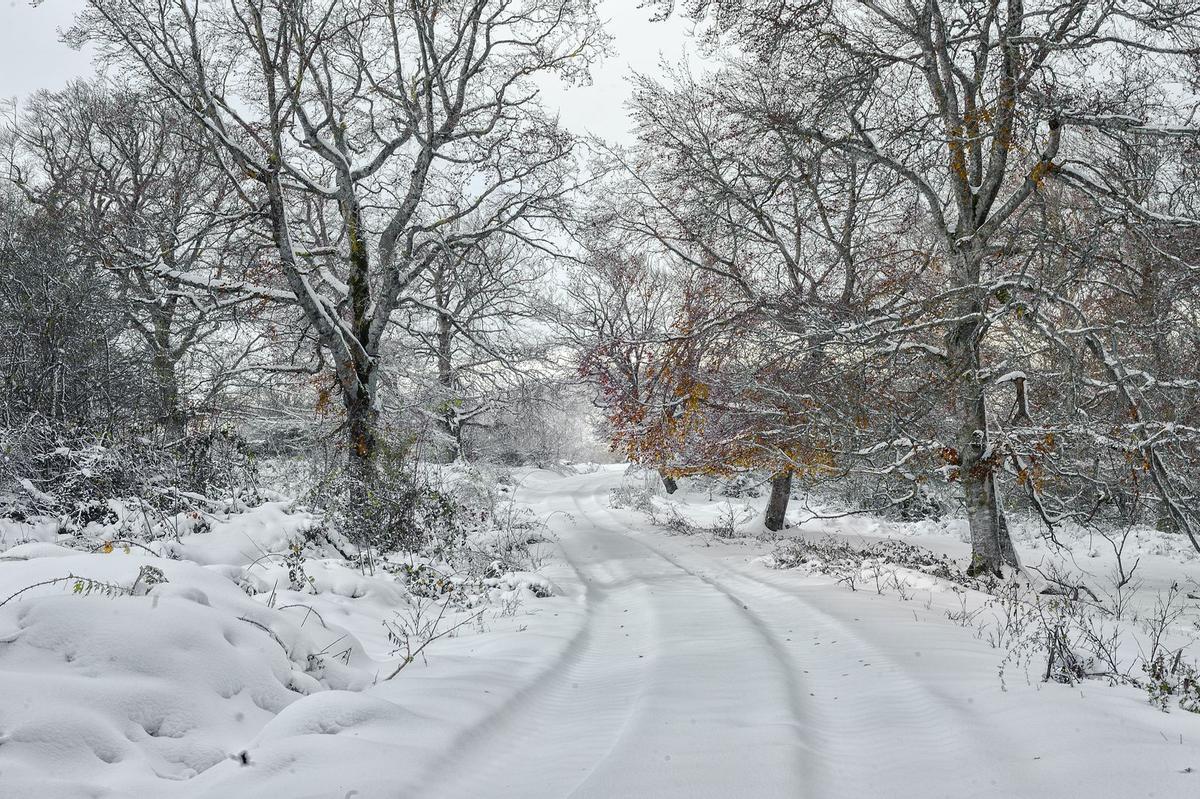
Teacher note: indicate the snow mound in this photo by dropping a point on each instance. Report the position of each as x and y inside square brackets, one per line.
[269, 528]
[334, 713]
[233, 650]
[113, 676]
[37, 549]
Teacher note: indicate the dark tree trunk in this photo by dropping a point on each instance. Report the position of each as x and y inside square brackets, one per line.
[362, 446]
[781, 493]
[669, 483]
[448, 417]
[991, 545]
[161, 335]
[1160, 355]
[171, 415]
[354, 366]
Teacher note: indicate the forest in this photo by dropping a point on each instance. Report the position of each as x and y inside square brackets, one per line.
[368, 430]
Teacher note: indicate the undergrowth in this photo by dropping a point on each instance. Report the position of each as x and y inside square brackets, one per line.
[1053, 628]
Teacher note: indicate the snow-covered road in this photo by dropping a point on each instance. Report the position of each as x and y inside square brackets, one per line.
[695, 673]
[670, 676]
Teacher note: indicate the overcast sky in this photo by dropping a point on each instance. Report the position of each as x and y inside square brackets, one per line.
[32, 57]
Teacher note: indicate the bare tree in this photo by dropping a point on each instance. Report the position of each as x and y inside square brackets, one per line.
[974, 107]
[62, 360]
[143, 201]
[616, 319]
[477, 316]
[363, 132]
[788, 233]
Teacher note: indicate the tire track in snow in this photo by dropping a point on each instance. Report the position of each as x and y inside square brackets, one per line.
[666, 691]
[884, 721]
[795, 766]
[485, 753]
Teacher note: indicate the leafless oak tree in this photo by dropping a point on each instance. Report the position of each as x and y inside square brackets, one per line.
[363, 132]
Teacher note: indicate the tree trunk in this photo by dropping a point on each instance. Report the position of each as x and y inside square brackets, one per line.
[991, 545]
[669, 483]
[362, 447]
[781, 493]
[353, 367]
[1160, 357]
[171, 415]
[448, 417]
[453, 429]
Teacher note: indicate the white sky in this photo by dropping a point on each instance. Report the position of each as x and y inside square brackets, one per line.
[32, 57]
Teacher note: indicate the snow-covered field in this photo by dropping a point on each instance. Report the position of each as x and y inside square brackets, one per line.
[662, 665]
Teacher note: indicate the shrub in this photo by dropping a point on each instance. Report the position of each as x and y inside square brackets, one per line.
[219, 463]
[840, 559]
[632, 496]
[84, 479]
[1171, 680]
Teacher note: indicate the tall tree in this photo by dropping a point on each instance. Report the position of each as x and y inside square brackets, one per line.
[786, 235]
[142, 200]
[63, 357]
[477, 317]
[617, 319]
[974, 107]
[363, 132]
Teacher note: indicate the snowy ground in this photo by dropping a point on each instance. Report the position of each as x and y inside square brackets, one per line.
[663, 666]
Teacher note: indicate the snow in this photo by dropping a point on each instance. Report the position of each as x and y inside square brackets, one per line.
[265, 529]
[633, 663]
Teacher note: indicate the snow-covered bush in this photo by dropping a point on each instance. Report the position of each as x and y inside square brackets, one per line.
[1056, 629]
[632, 496]
[730, 520]
[736, 486]
[495, 541]
[160, 665]
[405, 514]
[840, 559]
[405, 508]
[151, 490]
[1171, 680]
[218, 463]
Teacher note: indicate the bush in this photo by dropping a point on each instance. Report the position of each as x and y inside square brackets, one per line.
[407, 516]
[632, 496]
[738, 486]
[219, 463]
[83, 480]
[1072, 636]
[840, 559]
[404, 508]
[1170, 679]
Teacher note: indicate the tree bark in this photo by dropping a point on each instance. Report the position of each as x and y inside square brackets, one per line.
[448, 417]
[1160, 356]
[353, 366]
[991, 545]
[362, 447]
[781, 493]
[669, 483]
[171, 415]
